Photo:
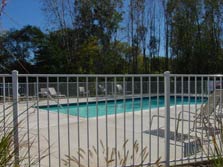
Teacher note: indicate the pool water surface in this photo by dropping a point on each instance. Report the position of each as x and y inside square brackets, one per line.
[102, 108]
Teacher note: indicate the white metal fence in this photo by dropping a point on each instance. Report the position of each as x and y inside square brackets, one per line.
[113, 120]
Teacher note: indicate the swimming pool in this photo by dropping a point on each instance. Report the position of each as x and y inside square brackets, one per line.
[101, 108]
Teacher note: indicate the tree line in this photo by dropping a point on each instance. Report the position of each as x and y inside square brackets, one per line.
[118, 37]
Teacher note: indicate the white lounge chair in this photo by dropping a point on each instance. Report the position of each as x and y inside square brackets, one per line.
[101, 89]
[43, 92]
[25, 97]
[53, 93]
[119, 89]
[50, 92]
[83, 92]
[205, 113]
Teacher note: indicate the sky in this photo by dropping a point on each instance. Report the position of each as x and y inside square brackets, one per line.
[18, 13]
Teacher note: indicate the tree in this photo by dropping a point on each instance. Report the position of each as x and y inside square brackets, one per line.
[99, 19]
[195, 35]
[2, 6]
[137, 31]
[88, 35]
[18, 47]
[86, 20]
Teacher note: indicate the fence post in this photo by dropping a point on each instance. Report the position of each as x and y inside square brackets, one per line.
[167, 117]
[15, 115]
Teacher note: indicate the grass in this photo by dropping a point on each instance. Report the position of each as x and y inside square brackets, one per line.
[111, 156]
[7, 148]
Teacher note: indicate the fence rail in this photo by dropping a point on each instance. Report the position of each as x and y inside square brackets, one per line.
[112, 120]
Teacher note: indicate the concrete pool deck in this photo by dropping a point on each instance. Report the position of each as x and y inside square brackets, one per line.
[110, 131]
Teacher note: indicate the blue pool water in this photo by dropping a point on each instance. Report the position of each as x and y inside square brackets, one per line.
[92, 109]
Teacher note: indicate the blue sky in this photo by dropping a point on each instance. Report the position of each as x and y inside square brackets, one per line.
[18, 13]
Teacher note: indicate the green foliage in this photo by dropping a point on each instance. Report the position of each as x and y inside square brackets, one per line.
[195, 36]
[7, 147]
[50, 56]
[88, 38]
[17, 48]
